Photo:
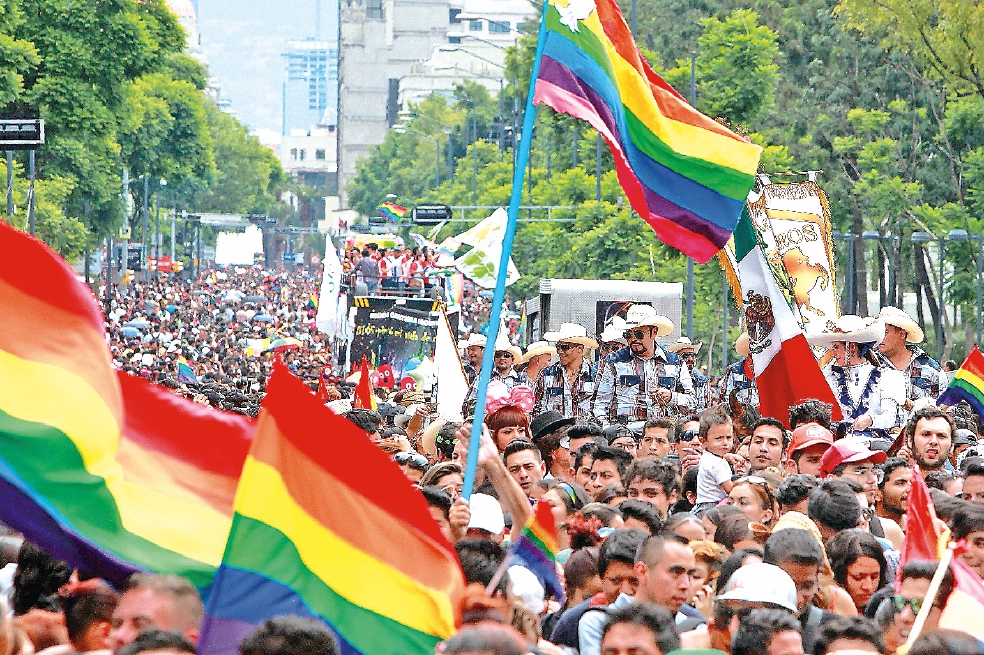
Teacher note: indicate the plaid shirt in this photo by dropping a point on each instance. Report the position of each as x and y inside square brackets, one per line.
[735, 378]
[625, 387]
[552, 392]
[510, 380]
[924, 378]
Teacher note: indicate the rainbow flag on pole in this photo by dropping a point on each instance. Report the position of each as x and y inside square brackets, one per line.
[685, 174]
[102, 469]
[185, 374]
[967, 384]
[315, 537]
[536, 548]
[392, 211]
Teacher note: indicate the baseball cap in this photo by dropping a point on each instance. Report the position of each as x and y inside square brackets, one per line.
[964, 437]
[806, 435]
[761, 583]
[849, 451]
[486, 514]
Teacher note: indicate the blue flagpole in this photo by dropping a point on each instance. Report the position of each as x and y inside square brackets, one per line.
[498, 297]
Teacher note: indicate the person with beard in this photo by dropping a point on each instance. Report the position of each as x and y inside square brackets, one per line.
[893, 490]
[929, 437]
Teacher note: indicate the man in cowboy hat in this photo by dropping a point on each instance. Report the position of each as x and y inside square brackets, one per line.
[740, 376]
[923, 375]
[504, 357]
[611, 339]
[869, 395]
[687, 350]
[567, 386]
[474, 351]
[642, 381]
[537, 358]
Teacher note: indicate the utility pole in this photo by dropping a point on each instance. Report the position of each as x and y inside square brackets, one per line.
[30, 191]
[143, 211]
[125, 232]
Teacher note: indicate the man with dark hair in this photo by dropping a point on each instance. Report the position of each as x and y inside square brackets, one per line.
[809, 443]
[834, 506]
[485, 637]
[555, 451]
[968, 524]
[973, 483]
[810, 411]
[616, 566]
[640, 514]
[522, 460]
[584, 433]
[657, 438]
[480, 559]
[583, 458]
[894, 489]
[439, 503]
[797, 553]
[793, 493]
[169, 602]
[664, 566]
[290, 635]
[653, 482]
[161, 642]
[915, 580]
[639, 629]
[767, 632]
[766, 445]
[929, 437]
[367, 420]
[848, 633]
[607, 467]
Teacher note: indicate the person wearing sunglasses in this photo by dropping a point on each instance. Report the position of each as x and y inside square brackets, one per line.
[567, 386]
[688, 350]
[739, 378]
[413, 465]
[897, 613]
[611, 339]
[642, 381]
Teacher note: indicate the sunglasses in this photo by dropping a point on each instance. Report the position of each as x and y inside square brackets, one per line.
[688, 435]
[564, 347]
[414, 460]
[899, 602]
[637, 334]
[502, 353]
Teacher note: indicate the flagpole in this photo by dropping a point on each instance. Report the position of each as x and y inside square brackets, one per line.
[929, 600]
[498, 296]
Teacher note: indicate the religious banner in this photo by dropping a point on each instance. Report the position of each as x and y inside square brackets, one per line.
[793, 223]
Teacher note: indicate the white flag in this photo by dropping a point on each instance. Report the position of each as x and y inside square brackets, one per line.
[327, 319]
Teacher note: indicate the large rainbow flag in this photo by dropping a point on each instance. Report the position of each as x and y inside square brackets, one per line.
[316, 537]
[685, 174]
[392, 211]
[101, 469]
[967, 384]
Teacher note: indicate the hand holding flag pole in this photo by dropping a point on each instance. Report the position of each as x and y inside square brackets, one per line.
[498, 296]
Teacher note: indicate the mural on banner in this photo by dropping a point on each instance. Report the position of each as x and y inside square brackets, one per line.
[793, 223]
[400, 335]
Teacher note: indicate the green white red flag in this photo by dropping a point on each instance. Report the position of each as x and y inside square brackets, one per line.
[786, 371]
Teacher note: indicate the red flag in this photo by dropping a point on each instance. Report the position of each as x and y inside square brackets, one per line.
[364, 396]
[322, 384]
[921, 536]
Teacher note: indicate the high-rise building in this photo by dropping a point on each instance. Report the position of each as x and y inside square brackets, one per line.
[310, 87]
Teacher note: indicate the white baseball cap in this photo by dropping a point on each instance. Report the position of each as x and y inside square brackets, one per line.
[761, 583]
[486, 514]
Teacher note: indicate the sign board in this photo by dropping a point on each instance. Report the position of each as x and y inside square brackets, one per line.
[164, 264]
[431, 214]
[134, 259]
[229, 220]
[393, 331]
[21, 133]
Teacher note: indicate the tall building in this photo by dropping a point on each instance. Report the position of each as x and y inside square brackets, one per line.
[310, 87]
[379, 42]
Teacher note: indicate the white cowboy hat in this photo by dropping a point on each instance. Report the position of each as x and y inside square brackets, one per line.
[850, 328]
[475, 340]
[573, 333]
[538, 348]
[683, 343]
[613, 331]
[741, 344]
[646, 315]
[502, 343]
[898, 318]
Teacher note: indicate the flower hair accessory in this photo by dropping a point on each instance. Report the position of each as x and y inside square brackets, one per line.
[498, 396]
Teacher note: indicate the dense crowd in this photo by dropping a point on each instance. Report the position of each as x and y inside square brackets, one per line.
[685, 518]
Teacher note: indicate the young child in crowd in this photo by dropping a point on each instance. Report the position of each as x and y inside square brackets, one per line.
[714, 473]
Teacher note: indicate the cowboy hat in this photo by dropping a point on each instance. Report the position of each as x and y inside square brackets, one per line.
[538, 348]
[647, 316]
[850, 328]
[741, 344]
[683, 343]
[475, 340]
[573, 333]
[502, 344]
[898, 318]
[613, 331]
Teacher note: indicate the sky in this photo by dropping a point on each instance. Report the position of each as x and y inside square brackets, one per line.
[242, 41]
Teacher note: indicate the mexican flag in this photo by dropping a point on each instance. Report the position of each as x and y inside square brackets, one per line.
[786, 371]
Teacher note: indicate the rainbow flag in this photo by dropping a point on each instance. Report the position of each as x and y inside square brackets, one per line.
[315, 537]
[967, 384]
[102, 469]
[392, 211]
[312, 302]
[185, 374]
[536, 548]
[685, 174]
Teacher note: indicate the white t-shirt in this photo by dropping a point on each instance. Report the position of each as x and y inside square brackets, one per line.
[712, 471]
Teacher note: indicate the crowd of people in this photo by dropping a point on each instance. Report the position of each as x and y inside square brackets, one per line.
[686, 520]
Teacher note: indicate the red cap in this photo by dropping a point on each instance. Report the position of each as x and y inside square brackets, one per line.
[849, 451]
[806, 435]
